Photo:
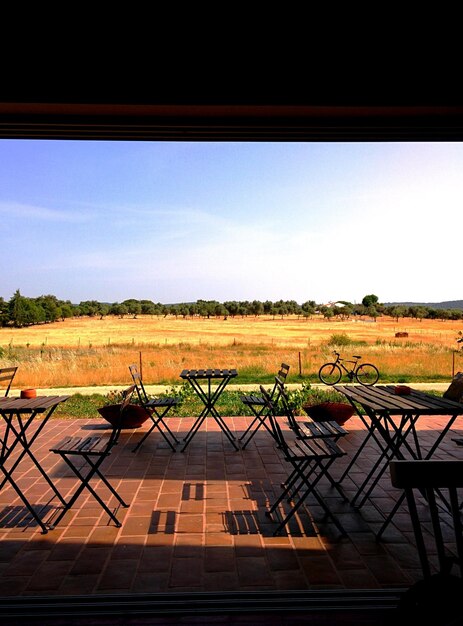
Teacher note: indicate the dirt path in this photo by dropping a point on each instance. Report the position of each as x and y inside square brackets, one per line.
[156, 389]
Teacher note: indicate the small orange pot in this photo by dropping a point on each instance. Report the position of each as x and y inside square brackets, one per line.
[28, 393]
[402, 390]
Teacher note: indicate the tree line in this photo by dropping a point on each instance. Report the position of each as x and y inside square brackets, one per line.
[22, 311]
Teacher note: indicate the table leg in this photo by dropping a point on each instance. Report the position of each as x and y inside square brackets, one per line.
[21, 439]
[8, 478]
[209, 400]
[389, 451]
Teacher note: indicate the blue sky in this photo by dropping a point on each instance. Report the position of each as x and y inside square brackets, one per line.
[176, 222]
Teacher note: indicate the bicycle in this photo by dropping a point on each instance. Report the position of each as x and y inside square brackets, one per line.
[365, 374]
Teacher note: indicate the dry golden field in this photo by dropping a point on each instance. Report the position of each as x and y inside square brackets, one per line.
[93, 351]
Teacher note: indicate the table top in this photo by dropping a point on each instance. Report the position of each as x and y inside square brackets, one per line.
[40, 404]
[385, 398]
[209, 373]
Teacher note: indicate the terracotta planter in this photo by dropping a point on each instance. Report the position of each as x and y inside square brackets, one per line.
[330, 411]
[28, 393]
[134, 415]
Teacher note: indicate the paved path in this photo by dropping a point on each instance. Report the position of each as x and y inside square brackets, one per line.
[156, 389]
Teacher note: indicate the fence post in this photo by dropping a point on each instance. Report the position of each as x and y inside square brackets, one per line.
[141, 366]
[300, 365]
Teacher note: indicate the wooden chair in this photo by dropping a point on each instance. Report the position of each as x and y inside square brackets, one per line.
[256, 403]
[437, 482]
[84, 455]
[157, 408]
[6, 377]
[309, 459]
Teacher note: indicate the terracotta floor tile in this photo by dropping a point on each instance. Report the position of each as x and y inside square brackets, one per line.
[221, 581]
[281, 559]
[150, 582]
[155, 559]
[190, 523]
[91, 561]
[49, 576]
[253, 571]
[186, 572]
[118, 574]
[219, 559]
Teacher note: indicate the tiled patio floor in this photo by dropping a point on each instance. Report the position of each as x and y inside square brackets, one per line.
[196, 522]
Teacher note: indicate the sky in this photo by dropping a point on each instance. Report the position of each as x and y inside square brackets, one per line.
[179, 221]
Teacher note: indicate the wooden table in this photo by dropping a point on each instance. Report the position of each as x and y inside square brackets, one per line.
[20, 414]
[397, 438]
[209, 396]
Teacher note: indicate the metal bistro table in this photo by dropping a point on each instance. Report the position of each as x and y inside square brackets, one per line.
[20, 415]
[396, 438]
[209, 396]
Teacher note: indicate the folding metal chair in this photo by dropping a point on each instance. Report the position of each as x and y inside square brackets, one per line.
[310, 460]
[437, 482]
[306, 428]
[84, 455]
[6, 377]
[157, 408]
[257, 404]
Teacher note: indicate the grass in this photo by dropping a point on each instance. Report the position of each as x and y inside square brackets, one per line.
[87, 352]
[86, 406]
[80, 406]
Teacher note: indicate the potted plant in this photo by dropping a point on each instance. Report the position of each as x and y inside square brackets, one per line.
[328, 411]
[134, 414]
[321, 405]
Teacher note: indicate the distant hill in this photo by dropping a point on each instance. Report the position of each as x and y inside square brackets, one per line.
[450, 304]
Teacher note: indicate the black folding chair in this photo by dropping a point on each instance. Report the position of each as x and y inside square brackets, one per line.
[256, 403]
[157, 408]
[437, 482]
[6, 377]
[310, 460]
[84, 455]
[306, 428]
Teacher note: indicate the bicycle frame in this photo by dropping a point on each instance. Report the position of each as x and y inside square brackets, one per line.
[339, 361]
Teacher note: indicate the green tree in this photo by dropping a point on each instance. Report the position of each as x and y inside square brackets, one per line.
[309, 307]
[370, 300]
[4, 312]
[328, 313]
[50, 306]
[256, 308]
[232, 307]
[17, 309]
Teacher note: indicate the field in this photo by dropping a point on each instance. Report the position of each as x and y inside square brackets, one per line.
[92, 351]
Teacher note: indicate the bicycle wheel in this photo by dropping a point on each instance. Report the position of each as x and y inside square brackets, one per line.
[367, 374]
[330, 373]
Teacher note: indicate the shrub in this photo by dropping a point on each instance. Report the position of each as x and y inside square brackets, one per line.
[309, 395]
[340, 340]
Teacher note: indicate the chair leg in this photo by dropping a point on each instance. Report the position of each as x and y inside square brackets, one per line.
[300, 473]
[312, 491]
[261, 423]
[325, 471]
[154, 425]
[161, 420]
[85, 484]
